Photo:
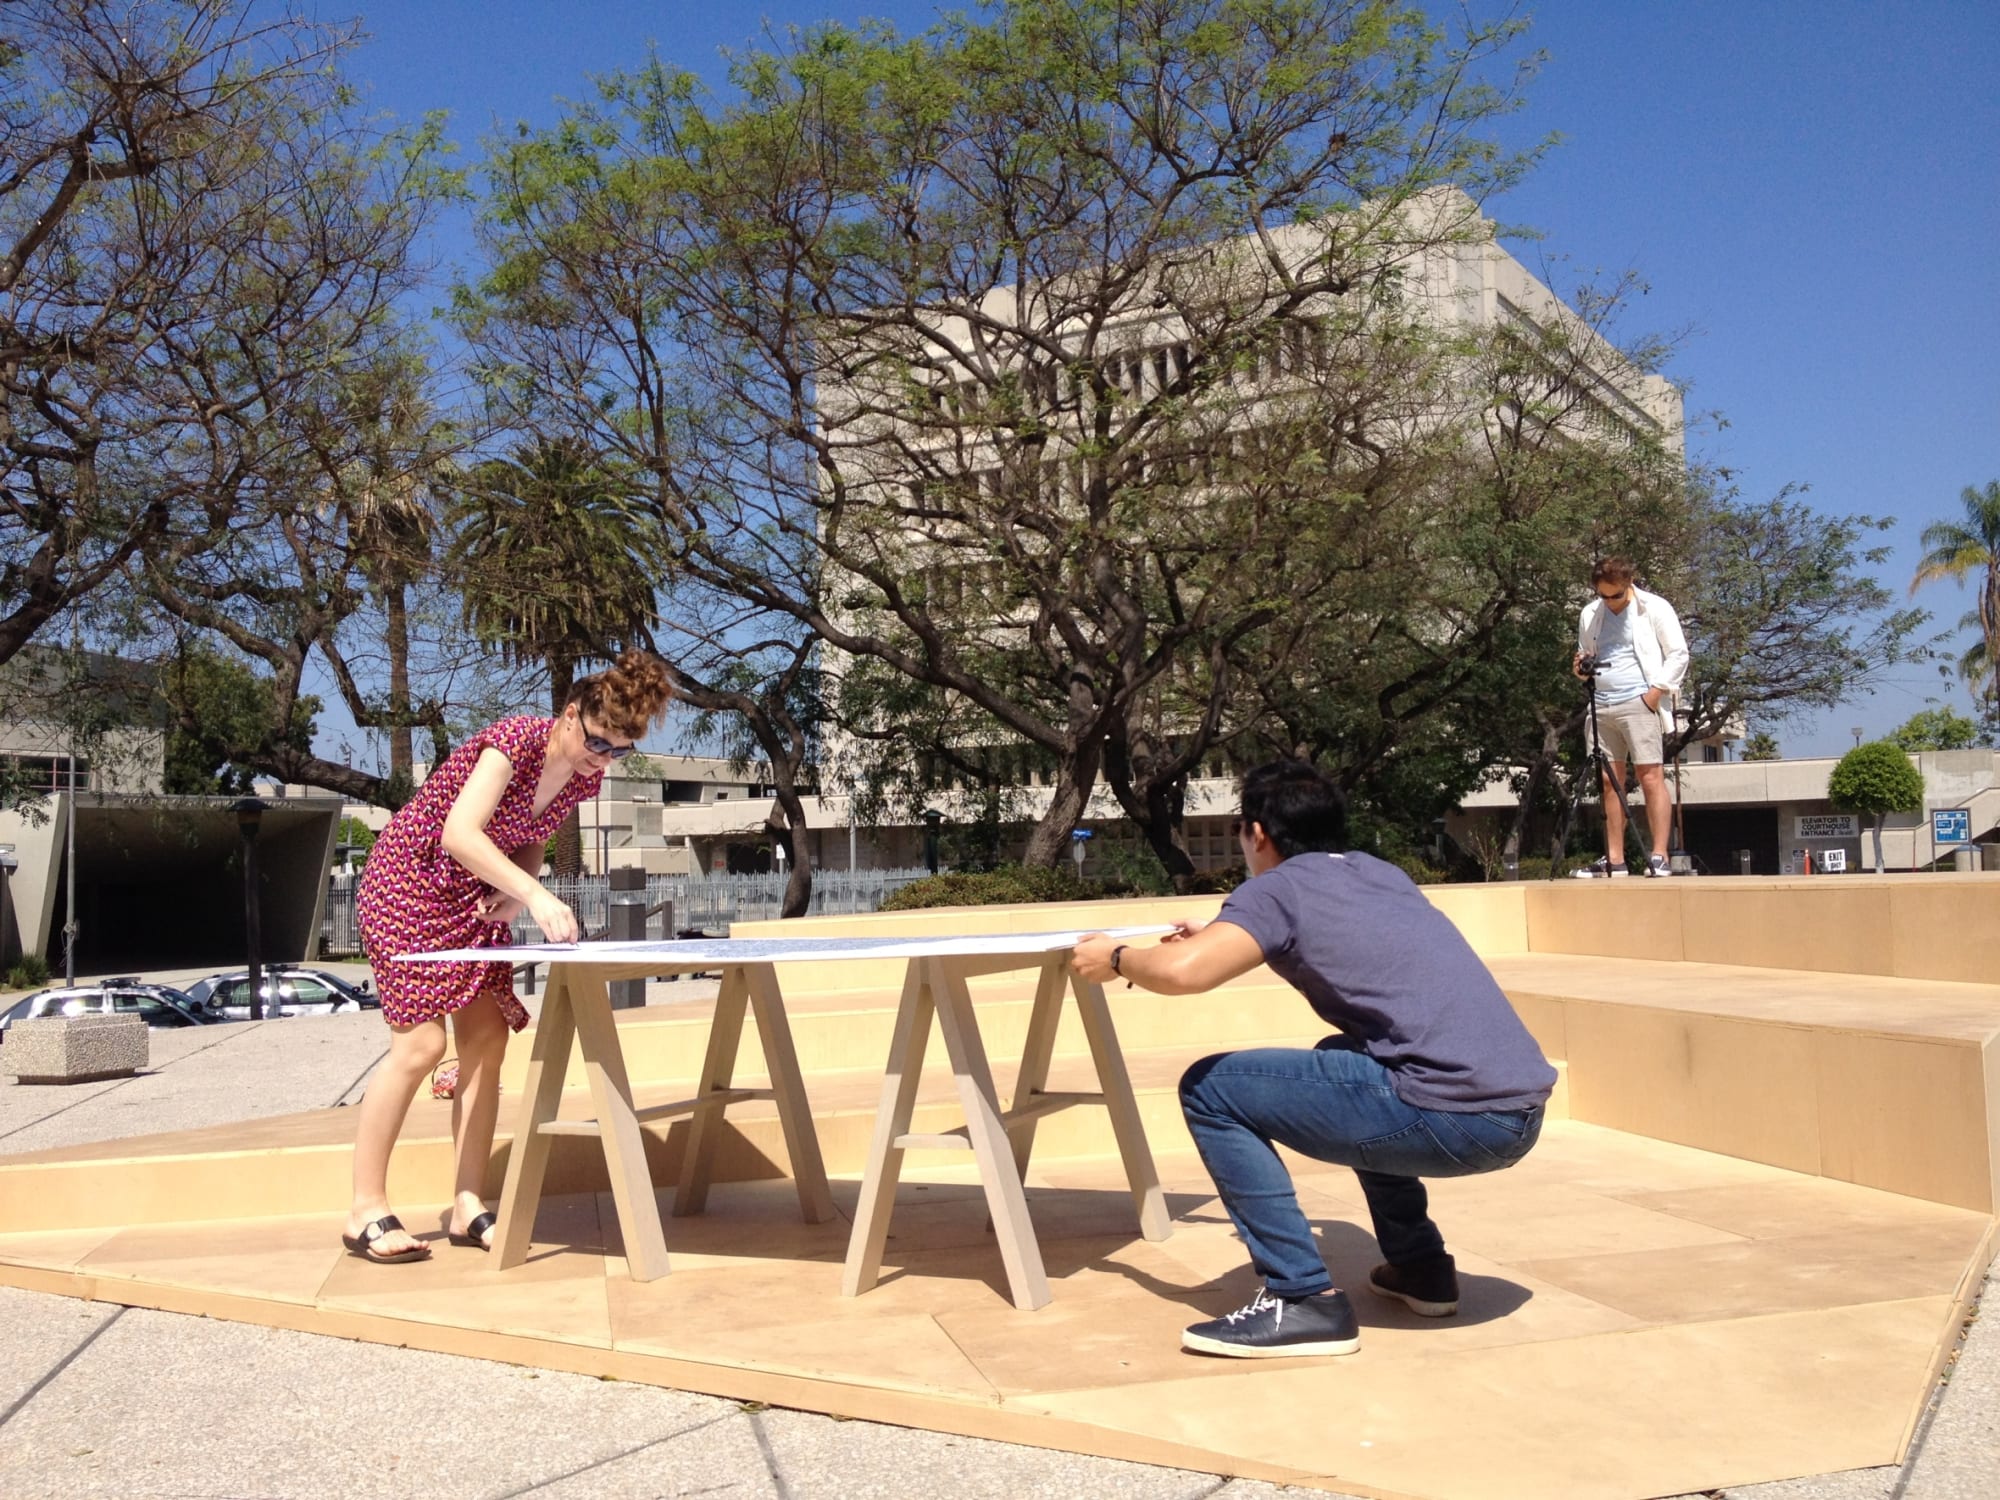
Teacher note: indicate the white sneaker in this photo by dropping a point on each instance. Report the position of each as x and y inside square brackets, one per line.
[1602, 869]
[1658, 866]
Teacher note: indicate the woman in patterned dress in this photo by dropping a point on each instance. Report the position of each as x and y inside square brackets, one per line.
[452, 870]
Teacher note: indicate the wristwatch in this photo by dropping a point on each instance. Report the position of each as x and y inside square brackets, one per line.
[1114, 959]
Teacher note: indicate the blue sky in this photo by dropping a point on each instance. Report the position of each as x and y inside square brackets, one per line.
[1809, 189]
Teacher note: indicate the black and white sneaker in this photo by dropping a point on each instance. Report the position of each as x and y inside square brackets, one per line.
[1428, 1288]
[1601, 869]
[1273, 1327]
[1658, 866]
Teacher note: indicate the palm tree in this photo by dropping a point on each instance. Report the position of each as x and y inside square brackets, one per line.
[383, 495]
[557, 559]
[1958, 549]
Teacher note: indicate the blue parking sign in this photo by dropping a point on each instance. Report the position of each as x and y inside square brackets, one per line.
[1951, 825]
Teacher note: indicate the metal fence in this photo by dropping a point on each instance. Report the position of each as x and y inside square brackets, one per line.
[701, 903]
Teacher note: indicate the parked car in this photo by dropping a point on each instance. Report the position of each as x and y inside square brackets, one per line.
[157, 1004]
[295, 991]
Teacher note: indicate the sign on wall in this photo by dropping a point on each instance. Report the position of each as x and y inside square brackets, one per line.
[1832, 861]
[1829, 825]
[1951, 825]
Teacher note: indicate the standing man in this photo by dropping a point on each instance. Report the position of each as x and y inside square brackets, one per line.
[1431, 1074]
[1634, 642]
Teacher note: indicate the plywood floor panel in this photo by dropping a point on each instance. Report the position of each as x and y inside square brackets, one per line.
[1638, 1319]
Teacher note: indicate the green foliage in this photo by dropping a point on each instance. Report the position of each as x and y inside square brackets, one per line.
[1135, 868]
[357, 835]
[30, 971]
[223, 716]
[1876, 778]
[1760, 745]
[1955, 551]
[1009, 885]
[1419, 869]
[1938, 729]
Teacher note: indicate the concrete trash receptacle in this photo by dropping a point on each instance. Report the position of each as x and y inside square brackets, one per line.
[75, 1049]
[1965, 859]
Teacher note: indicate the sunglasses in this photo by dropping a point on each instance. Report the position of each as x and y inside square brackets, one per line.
[1613, 598]
[597, 744]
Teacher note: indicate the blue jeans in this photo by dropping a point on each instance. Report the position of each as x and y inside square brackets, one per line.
[1334, 1104]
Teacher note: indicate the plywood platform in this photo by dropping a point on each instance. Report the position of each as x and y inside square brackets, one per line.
[1639, 1319]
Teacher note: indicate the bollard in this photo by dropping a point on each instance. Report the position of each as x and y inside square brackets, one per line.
[1743, 864]
[1965, 859]
[627, 923]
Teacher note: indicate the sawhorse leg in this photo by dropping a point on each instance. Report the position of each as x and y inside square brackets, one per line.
[528, 1157]
[1116, 1082]
[754, 986]
[618, 1128]
[892, 1121]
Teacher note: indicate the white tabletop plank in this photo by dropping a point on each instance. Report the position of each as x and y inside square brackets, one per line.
[718, 953]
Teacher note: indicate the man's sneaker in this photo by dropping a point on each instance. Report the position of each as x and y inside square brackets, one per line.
[1428, 1288]
[1274, 1327]
[1658, 866]
[1600, 870]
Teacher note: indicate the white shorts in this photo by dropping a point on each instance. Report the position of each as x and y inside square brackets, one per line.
[1630, 732]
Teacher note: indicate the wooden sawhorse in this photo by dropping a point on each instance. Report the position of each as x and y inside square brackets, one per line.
[1000, 1140]
[577, 1011]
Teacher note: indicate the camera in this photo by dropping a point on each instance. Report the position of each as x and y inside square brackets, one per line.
[1586, 664]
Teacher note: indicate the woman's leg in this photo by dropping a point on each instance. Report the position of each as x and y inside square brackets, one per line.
[413, 1052]
[480, 1035]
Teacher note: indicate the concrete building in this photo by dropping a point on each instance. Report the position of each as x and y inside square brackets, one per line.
[156, 879]
[1778, 812]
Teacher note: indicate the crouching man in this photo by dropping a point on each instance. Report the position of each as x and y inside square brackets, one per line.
[1431, 1073]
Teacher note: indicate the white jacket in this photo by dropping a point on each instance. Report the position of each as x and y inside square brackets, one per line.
[1661, 647]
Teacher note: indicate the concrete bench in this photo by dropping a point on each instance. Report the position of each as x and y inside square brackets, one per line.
[75, 1049]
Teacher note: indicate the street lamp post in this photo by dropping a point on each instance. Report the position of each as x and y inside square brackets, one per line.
[249, 814]
[932, 818]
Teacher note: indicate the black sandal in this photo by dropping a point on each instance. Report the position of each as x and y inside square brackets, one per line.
[473, 1236]
[363, 1244]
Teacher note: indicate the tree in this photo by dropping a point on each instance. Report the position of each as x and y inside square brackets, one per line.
[1957, 550]
[557, 559]
[1760, 745]
[1780, 615]
[1876, 778]
[226, 722]
[962, 316]
[182, 254]
[1936, 729]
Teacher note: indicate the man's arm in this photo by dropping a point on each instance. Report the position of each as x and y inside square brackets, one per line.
[1206, 957]
[1673, 646]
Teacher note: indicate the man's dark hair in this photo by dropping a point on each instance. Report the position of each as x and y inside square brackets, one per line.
[1612, 570]
[1302, 809]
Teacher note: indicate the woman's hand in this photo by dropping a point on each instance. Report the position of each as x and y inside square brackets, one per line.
[496, 907]
[557, 921]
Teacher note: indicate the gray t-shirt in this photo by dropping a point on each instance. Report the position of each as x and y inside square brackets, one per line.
[1374, 957]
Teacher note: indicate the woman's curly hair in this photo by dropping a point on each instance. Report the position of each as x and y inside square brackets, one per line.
[627, 699]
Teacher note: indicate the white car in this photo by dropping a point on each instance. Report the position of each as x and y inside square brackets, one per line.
[296, 992]
[158, 1005]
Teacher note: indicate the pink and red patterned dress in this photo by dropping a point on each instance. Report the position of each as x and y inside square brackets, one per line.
[415, 898]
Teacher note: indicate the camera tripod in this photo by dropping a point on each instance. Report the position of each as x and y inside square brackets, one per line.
[1600, 772]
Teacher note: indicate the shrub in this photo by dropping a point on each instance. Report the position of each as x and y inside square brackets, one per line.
[1006, 886]
[1421, 870]
[31, 972]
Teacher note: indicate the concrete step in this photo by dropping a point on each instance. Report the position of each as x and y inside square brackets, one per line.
[298, 1164]
[851, 1029]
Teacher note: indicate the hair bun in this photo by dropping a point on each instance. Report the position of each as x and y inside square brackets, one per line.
[630, 696]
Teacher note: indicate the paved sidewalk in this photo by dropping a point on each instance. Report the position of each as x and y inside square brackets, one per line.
[97, 1400]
